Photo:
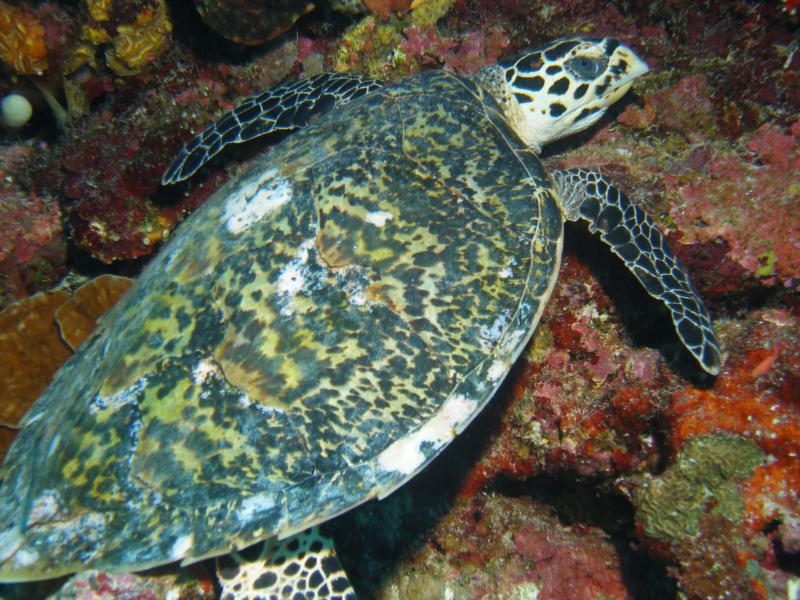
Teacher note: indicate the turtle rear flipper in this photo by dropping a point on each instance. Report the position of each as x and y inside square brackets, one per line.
[633, 237]
[284, 107]
[301, 564]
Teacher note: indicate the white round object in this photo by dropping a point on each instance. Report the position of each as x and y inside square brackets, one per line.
[15, 110]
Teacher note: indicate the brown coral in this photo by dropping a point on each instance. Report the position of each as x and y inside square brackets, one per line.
[22, 44]
[77, 316]
[385, 8]
[38, 334]
[30, 352]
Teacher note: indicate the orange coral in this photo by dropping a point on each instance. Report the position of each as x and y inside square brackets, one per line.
[22, 44]
[138, 44]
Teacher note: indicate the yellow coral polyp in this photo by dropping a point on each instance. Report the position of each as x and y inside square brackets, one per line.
[98, 9]
[22, 44]
[94, 35]
[137, 45]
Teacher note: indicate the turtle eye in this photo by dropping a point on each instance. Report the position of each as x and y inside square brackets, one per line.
[586, 68]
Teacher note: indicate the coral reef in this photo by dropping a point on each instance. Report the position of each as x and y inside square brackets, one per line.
[373, 47]
[137, 32]
[735, 474]
[30, 352]
[141, 42]
[706, 471]
[489, 546]
[722, 189]
[77, 316]
[709, 145]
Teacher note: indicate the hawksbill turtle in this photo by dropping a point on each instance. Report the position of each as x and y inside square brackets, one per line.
[326, 323]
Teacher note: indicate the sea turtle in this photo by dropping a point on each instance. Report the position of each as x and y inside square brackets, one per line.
[326, 323]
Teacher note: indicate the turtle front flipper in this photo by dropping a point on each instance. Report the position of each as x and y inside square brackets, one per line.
[636, 240]
[303, 565]
[284, 107]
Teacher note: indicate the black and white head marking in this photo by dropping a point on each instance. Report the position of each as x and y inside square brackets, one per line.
[561, 88]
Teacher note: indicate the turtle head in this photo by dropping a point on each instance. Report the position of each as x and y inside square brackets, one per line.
[561, 88]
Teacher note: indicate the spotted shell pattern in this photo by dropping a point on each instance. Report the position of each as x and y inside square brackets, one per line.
[298, 350]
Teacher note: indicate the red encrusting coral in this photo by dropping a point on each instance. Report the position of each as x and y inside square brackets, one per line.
[583, 399]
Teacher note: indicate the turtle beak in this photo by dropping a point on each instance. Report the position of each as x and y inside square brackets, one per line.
[634, 67]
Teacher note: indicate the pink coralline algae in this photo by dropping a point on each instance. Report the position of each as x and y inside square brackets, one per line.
[730, 201]
[424, 47]
[195, 584]
[30, 223]
[751, 201]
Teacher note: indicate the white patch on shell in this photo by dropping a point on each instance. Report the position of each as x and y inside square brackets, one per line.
[253, 506]
[256, 198]
[45, 508]
[292, 277]
[290, 281]
[202, 371]
[507, 271]
[181, 547]
[268, 411]
[118, 400]
[25, 558]
[10, 540]
[511, 341]
[378, 217]
[406, 455]
[491, 333]
[497, 370]
[358, 298]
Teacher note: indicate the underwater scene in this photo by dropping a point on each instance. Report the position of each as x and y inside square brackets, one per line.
[400, 299]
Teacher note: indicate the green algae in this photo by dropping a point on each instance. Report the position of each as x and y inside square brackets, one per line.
[767, 261]
[703, 479]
